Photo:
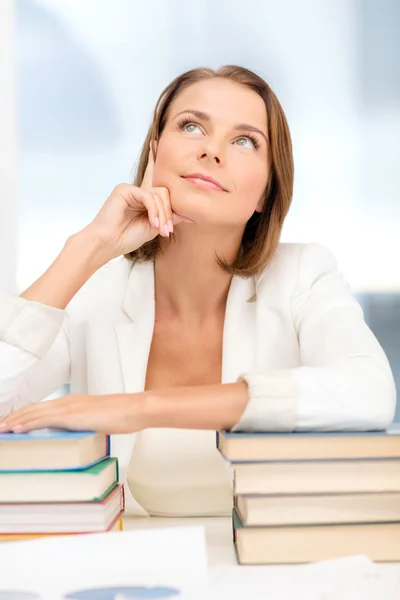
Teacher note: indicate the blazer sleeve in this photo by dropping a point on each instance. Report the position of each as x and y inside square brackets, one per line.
[34, 352]
[345, 381]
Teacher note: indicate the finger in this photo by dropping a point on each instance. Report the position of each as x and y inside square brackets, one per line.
[42, 422]
[34, 410]
[60, 416]
[18, 424]
[176, 218]
[135, 196]
[147, 181]
[163, 193]
[152, 206]
[19, 415]
[164, 231]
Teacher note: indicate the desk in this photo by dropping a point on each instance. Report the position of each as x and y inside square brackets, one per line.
[218, 531]
[224, 568]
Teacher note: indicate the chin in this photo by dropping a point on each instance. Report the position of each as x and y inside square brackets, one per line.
[184, 206]
[196, 205]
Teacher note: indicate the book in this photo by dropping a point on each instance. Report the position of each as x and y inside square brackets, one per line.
[311, 509]
[242, 447]
[303, 544]
[116, 525]
[62, 517]
[82, 485]
[296, 477]
[48, 449]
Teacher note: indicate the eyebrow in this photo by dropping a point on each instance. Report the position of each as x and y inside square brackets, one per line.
[206, 117]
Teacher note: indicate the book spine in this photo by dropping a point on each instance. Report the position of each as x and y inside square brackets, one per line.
[122, 498]
[117, 468]
[108, 445]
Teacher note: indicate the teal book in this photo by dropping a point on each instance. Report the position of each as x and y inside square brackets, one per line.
[52, 449]
[81, 485]
[356, 445]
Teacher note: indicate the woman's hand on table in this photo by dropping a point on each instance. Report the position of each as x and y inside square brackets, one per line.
[111, 413]
[212, 407]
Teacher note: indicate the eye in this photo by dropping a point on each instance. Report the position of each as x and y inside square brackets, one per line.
[184, 124]
[254, 142]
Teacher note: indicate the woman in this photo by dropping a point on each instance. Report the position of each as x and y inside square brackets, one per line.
[206, 321]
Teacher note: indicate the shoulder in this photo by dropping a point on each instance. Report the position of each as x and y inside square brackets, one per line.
[299, 259]
[297, 267]
[104, 292]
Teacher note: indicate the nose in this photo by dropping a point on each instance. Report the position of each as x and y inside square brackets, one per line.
[211, 150]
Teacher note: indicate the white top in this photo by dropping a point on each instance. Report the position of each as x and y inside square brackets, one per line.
[294, 333]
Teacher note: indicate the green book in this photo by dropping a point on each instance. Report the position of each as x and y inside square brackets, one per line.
[85, 485]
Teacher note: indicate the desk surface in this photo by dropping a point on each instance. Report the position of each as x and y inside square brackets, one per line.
[229, 579]
[218, 531]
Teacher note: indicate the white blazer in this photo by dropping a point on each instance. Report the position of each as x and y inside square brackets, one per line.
[294, 333]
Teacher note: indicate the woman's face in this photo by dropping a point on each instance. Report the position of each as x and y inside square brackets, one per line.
[226, 142]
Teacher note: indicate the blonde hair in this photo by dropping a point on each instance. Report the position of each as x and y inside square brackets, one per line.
[262, 232]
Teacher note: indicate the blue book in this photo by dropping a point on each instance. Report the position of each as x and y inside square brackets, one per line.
[316, 445]
[52, 450]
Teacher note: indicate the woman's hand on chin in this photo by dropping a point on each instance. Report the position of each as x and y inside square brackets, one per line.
[111, 413]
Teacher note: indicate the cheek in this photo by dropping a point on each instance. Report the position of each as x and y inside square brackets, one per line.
[252, 176]
[250, 179]
[168, 162]
[163, 158]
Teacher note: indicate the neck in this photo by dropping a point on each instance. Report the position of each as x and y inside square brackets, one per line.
[189, 283]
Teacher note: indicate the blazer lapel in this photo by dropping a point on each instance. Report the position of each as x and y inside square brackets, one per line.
[134, 341]
[134, 338]
[240, 335]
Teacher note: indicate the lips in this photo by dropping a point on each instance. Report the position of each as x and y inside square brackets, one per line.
[204, 181]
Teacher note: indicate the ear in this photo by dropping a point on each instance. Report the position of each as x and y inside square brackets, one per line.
[260, 205]
[154, 145]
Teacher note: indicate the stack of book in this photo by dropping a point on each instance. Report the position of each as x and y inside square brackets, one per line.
[58, 482]
[305, 497]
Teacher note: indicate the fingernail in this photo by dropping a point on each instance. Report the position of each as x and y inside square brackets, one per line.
[17, 428]
[166, 230]
[3, 425]
[170, 226]
[157, 221]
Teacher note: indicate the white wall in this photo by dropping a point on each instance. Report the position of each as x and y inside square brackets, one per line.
[90, 72]
[8, 147]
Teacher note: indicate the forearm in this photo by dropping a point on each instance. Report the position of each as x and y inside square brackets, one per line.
[214, 407]
[77, 262]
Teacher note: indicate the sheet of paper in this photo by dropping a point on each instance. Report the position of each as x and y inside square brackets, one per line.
[350, 578]
[171, 557]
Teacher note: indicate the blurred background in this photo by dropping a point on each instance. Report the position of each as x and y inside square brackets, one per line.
[79, 80]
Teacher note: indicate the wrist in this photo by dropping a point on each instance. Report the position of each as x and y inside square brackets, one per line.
[152, 410]
[215, 406]
[88, 246]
